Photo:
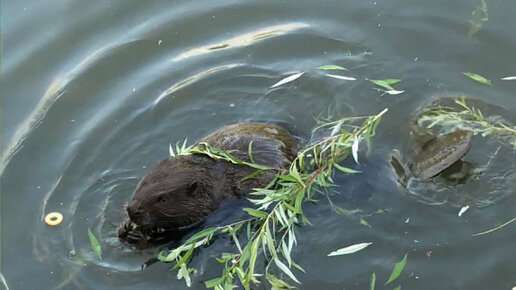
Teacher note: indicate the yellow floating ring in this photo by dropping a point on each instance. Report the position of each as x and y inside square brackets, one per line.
[53, 219]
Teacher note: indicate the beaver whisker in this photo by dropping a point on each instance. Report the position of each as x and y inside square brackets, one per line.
[170, 215]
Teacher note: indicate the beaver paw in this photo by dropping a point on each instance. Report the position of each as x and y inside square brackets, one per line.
[130, 232]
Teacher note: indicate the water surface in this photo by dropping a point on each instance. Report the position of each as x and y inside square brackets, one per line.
[94, 91]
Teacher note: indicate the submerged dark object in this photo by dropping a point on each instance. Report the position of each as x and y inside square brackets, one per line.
[434, 156]
[179, 192]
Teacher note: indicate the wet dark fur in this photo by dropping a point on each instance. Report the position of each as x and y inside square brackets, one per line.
[181, 191]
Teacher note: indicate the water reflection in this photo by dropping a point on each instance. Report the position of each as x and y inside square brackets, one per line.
[242, 40]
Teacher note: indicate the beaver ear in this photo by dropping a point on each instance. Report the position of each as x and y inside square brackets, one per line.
[196, 188]
[192, 187]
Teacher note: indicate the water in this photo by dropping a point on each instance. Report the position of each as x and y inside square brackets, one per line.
[93, 93]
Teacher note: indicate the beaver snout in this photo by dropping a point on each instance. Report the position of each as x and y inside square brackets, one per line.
[135, 208]
[137, 213]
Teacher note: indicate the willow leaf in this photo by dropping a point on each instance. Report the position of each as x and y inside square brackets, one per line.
[478, 78]
[287, 79]
[95, 244]
[341, 77]
[386, 84]
[372, 282]
[398, 268]
[286, 270]
[331, 67]
[349, 249]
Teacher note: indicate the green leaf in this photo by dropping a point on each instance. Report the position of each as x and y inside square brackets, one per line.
[397, 288]
[331, 67]
[372, 282]
[478, 78]
[171, 151]
[398, 268]
[349, 249]
[277, 283]
[245, 254]
[95, 244]
[298, 267]
[386, 83]
[201, 234]
[345, 169]
[213, 282]
[344, 211]
[255, 212]
[185, 257]
[364, 222]
[286, 270]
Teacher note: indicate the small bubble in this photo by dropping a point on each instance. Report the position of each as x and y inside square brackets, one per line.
[232, 105]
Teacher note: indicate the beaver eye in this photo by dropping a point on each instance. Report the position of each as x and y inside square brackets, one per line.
[162, 199]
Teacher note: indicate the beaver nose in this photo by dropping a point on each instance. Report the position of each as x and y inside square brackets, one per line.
[135, 209]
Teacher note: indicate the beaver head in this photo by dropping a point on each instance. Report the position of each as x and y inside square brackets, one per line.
[178, 192]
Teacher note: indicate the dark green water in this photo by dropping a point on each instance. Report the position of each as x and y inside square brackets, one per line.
[94, 91]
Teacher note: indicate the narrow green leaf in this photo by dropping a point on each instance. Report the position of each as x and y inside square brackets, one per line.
[298, 267]
[345, 169]
[201, 234]
[213, 282]
[255, 212]
[286, 270]
[364, 222]
[184, 258]
[386, 83]
[331, 67]
[398, 268]
[349, 249]
[344, 211]
[252, 259]
[372, 282]
[299, 201]
[95, 244]
[478, 78]
[245, 254]
[171, 151]
[270, 242]
[397, 288]
[286, 253]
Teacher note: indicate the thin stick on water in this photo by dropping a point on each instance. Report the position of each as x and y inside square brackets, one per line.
[495, 228]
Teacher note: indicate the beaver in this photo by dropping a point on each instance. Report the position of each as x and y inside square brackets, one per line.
[180, 191]
[431, 155]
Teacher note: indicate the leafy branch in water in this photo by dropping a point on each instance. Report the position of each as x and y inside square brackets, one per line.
[466, 117]
[270, 228]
